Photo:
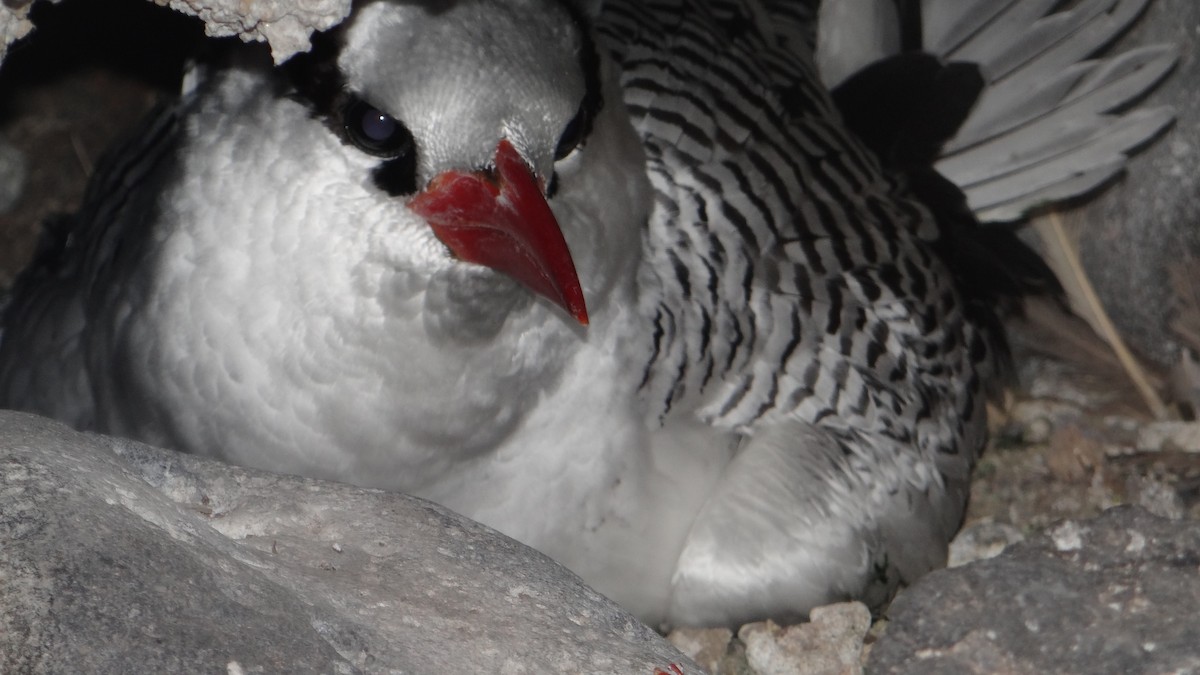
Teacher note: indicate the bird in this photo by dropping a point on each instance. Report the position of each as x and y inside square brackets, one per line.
[675, 292]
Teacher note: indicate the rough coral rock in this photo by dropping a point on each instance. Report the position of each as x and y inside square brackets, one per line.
[284, 24]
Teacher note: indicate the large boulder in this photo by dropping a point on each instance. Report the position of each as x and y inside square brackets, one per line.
[1115, 594]
[116, 557]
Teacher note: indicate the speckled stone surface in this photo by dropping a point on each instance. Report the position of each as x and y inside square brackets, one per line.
[1114, 594]
[128, 559]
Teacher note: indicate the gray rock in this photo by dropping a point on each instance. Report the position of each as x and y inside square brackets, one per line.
[1156, 496]
[1135, 232]
[981, 540]
[1170, 435]
[117, 557]
[1115, 594]
[830, 643]
[708, 646]
[14, 23]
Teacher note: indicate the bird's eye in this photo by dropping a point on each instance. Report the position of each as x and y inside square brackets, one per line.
[374, 131]
[573, 135]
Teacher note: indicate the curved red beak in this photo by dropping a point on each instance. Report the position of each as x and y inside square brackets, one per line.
[500, 218]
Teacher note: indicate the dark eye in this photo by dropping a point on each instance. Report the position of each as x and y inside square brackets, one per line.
[374, 131]
[573, 135]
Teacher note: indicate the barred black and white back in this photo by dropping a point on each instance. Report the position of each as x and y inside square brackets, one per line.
[794, 292]
[795, 287]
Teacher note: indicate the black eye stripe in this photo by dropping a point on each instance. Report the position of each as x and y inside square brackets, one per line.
[397, 177]
[314, 76]
[572, 135]
[580, 126]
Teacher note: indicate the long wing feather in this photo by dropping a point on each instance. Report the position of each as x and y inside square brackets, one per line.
[1082, 158]
[1049, 125]
[796, 297]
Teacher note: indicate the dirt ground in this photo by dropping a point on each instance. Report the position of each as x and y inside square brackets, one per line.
[1074, 437]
